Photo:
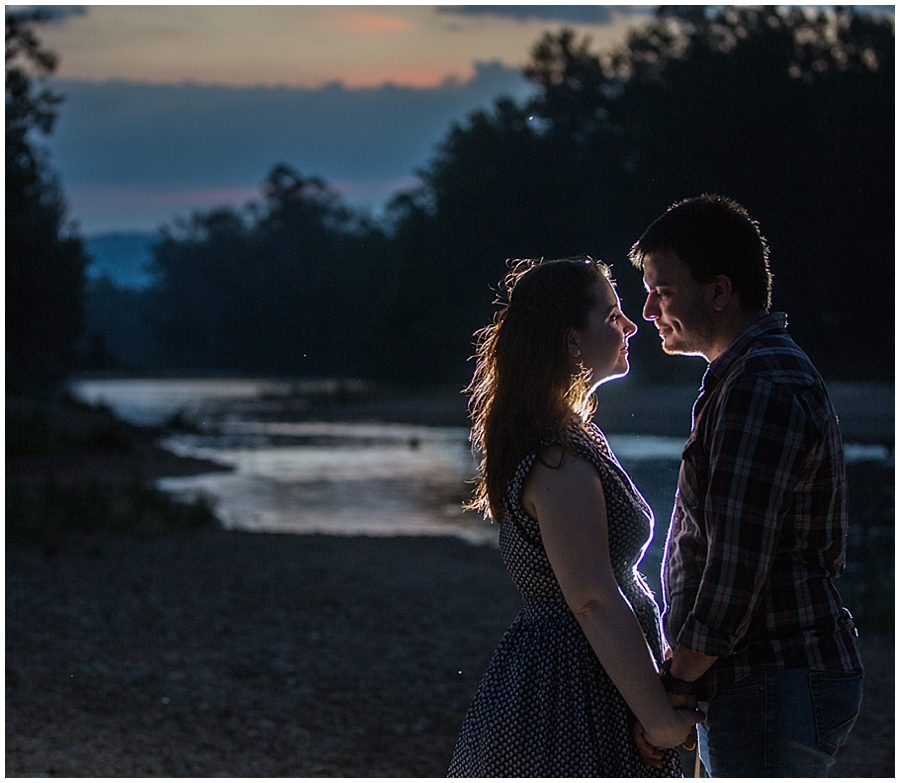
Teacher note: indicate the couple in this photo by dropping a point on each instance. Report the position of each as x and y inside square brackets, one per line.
[765, 662]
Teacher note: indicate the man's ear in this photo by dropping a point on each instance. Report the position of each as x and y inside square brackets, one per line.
[722, 293]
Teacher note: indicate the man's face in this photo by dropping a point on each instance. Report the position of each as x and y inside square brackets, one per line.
[679, 307]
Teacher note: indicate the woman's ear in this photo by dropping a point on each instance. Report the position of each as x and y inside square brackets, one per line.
[573, 344]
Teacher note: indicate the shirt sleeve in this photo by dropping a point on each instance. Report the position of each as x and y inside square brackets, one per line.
[756, 454]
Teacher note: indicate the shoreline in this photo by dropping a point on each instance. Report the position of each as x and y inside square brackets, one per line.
[866, 410]
[222, 653]
[248, 654]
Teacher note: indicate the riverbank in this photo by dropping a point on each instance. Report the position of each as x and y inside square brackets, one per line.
[257, 655]
[866, 410]
[211, 653]
[73, 468]
[77, 443]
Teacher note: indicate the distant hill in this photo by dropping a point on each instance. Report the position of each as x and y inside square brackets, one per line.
[123, 257]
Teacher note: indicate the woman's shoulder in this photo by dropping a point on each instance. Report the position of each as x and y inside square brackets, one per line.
[577, 448]
[574, 455]
[562, 474]
[587, 440]
[563, 462]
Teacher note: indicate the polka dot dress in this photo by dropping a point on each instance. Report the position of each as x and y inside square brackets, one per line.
[545, 707]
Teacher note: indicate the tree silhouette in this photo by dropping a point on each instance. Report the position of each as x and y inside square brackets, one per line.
[286, 287]
[788, 111]
[44, 262]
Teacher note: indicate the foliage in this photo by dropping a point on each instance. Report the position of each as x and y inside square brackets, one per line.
[285, 288]
[59, 481]
[48, 514]
[484, 201]
[118, 335]
[788, 111]
[44, 265]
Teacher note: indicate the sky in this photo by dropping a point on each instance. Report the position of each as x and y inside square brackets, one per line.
[174, 109]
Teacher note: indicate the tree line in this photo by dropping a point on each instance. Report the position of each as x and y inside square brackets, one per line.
[789, 111]
[45, 286]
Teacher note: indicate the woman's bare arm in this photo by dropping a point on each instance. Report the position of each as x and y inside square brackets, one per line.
[570, 507]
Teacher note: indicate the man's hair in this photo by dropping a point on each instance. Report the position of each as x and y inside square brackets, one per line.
[713, 235]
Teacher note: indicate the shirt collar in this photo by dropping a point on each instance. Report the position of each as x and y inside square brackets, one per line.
[765, 324]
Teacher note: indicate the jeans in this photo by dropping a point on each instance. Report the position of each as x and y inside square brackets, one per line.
[787, 723]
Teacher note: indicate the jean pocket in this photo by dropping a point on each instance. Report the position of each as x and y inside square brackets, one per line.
[836, 698]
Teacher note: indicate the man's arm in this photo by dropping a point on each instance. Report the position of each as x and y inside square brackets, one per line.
[688, 665]
[755, 457]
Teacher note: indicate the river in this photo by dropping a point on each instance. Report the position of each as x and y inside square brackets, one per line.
[344, 478]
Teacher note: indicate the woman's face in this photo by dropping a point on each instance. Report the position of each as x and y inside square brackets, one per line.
[602, 346]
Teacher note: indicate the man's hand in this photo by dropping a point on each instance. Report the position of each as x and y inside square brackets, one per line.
[690, 742]
[689, 666]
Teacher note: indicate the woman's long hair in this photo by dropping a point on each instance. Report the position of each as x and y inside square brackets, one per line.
[524, 388]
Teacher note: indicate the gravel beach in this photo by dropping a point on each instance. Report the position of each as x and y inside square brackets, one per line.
[233, 654]
[257, 655]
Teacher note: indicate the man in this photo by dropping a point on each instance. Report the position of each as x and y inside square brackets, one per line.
[758, 533]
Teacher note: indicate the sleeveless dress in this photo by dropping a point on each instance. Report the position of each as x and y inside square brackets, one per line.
[546, 707]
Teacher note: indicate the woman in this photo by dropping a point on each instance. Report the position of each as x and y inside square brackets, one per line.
[580, 661]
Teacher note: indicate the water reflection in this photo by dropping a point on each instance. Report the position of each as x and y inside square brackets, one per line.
[347, 478]
[337, 478]
[153, 401]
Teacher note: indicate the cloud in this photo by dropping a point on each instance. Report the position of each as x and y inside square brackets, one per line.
[364, 22]
[576, 14]
[105, 208]
[115, 141]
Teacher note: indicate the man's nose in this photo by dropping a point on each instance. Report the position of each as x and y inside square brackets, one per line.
[651, 308]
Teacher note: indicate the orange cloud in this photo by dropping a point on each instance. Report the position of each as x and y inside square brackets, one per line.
[365, 23]
[421, 77]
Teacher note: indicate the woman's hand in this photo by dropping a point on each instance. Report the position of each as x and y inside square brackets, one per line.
[679, 730]
[652, 757]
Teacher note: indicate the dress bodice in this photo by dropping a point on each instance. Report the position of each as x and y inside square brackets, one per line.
[630, 524]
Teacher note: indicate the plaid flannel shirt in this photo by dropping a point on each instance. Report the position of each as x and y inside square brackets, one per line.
[758, 532]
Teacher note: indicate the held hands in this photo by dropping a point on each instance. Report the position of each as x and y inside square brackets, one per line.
[691, 702]
[680, 731]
